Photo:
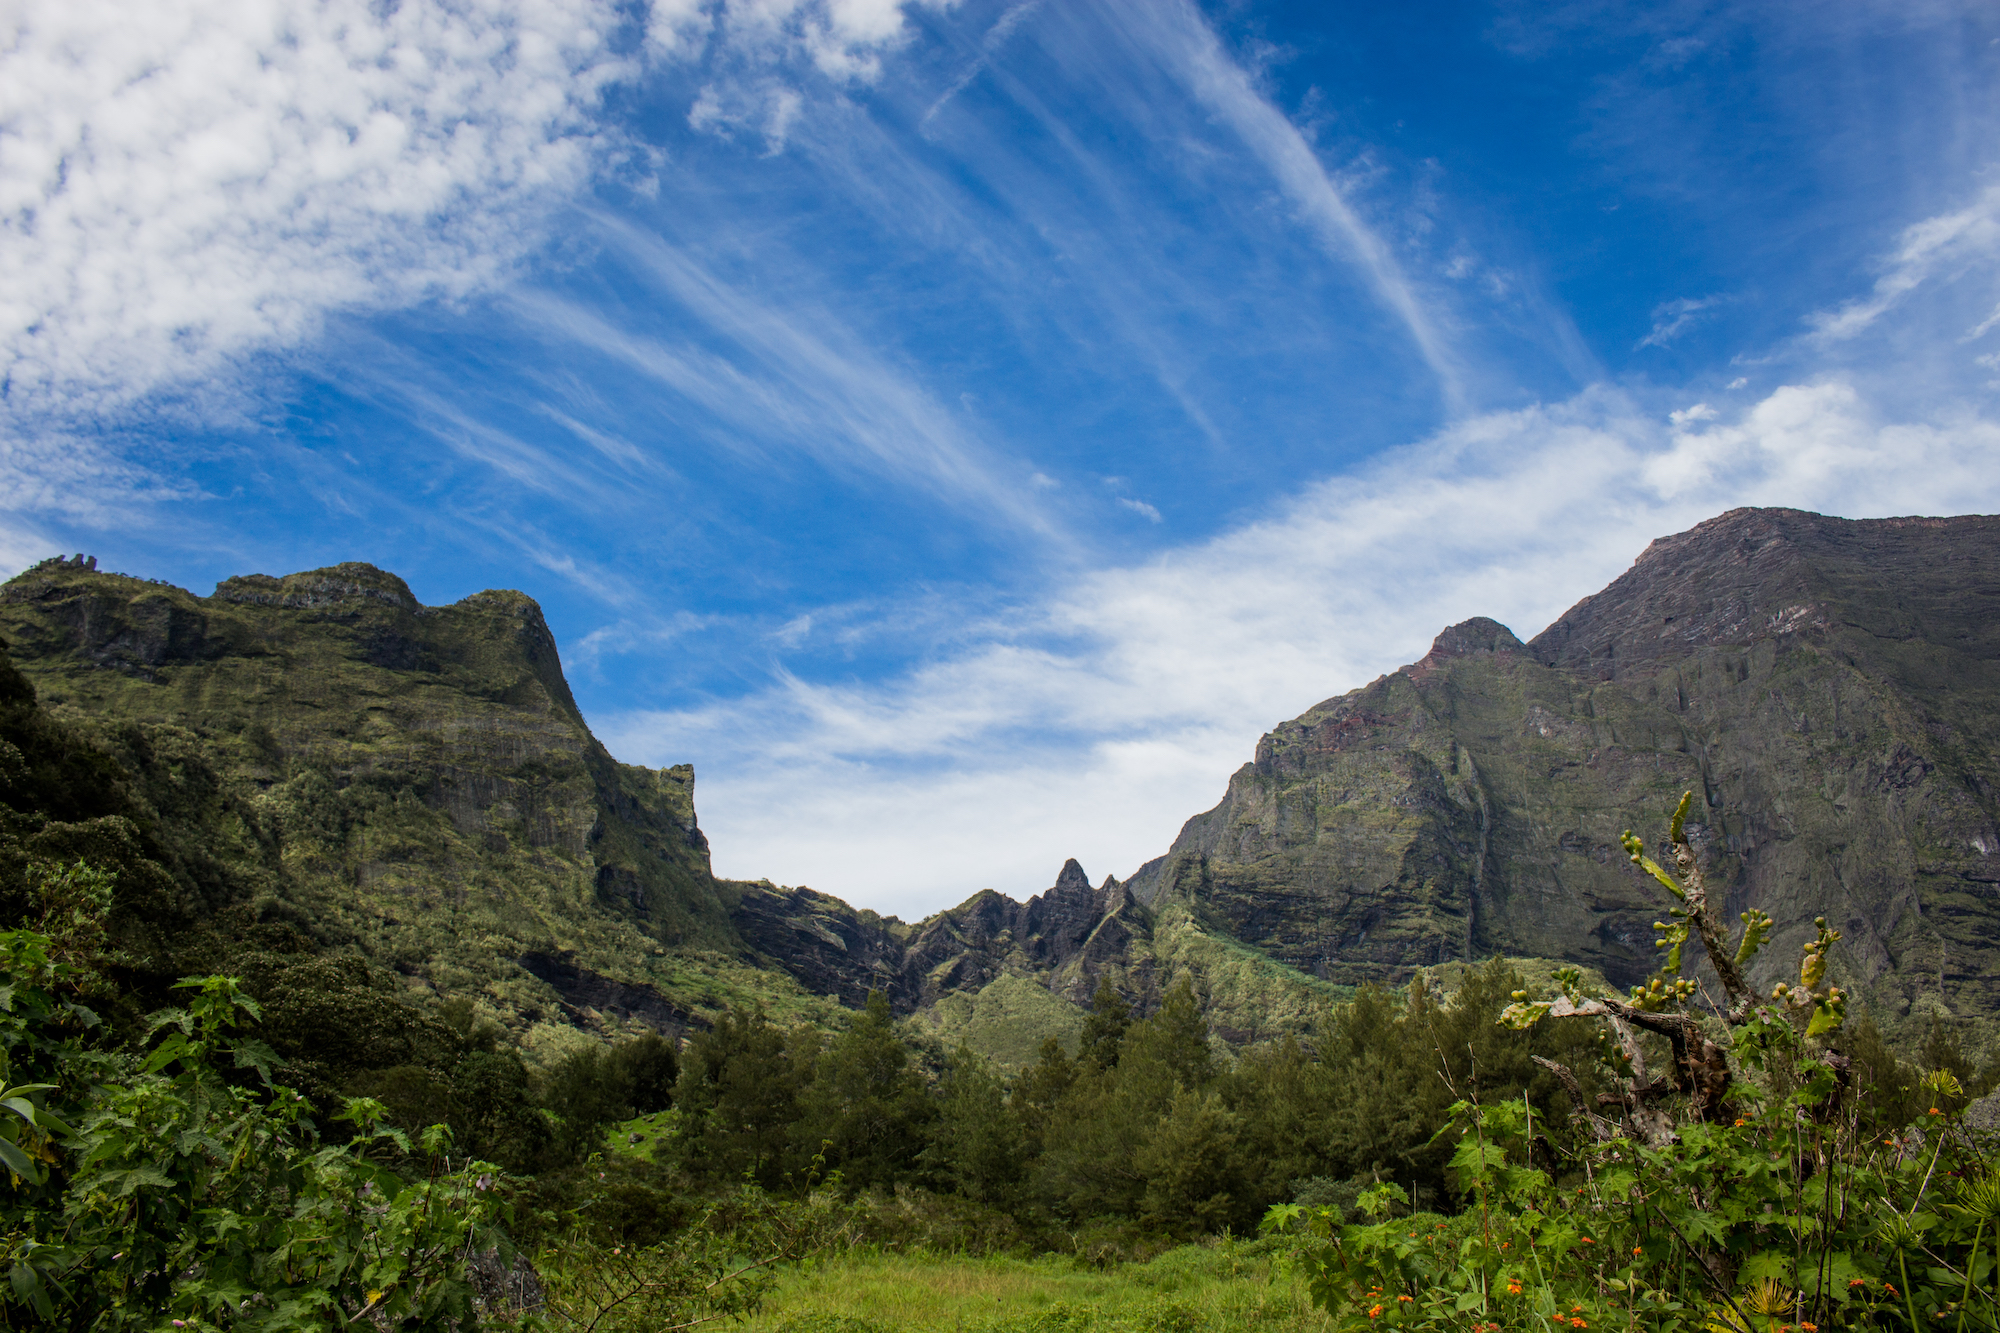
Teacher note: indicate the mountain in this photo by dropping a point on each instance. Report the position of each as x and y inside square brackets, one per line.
[1829, 689]
[377, 810]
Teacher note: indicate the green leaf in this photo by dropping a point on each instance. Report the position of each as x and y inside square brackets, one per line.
[21, 1106]
[19, 1163]
[1771, 1263]
[28, 1286]
[1279, 1216]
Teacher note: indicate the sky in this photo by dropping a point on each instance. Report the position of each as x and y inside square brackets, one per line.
[961, 429]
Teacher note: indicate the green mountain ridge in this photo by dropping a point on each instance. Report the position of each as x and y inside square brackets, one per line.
[316, 779]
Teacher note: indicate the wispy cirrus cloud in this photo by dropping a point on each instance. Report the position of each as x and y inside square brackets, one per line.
[1185, 42]
[1948, 246]
[791, 378]
[1673, 318]
[995, 37]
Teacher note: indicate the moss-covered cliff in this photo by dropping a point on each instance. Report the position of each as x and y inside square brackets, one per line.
[1830, 690]
[413, 785]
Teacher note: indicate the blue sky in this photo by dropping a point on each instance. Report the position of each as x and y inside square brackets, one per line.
[960, 429]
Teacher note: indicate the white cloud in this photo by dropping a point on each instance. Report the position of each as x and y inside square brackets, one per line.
[1674, 318]
[185, 180]
[1938, 246]
[1093, 724]
[1141, 508]
[762, 53]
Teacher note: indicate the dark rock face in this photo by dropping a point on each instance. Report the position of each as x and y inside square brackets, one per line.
[1755, 574]
[1065, 937]
[830, 947]
[1829, 689]
[584, 991]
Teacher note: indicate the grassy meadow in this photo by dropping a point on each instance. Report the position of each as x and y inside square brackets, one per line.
[1212, 1286]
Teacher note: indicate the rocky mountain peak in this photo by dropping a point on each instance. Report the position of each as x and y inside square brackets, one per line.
[1765, 573]
[1477, 635]
[350, 581]
[1071, 880]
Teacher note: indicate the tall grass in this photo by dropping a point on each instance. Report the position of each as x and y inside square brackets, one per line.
[1192, 1289]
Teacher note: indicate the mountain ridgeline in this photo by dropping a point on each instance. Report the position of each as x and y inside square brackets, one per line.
[317, 776]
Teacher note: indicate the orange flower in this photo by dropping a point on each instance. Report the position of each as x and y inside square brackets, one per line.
[1373, 1311]
[1891, 1290]
[1578, 1323]
[1857, 1282]
[1588, 1241]
[1808, 1328]
[1740, 1122]
[1638, 1249]
[1935, 1111]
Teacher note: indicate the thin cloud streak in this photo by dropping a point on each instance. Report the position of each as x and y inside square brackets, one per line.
[1188, 45]
[810, 384]
[1942, 246]
[1003, 27]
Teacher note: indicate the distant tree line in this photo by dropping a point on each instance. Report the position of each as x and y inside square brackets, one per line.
[1147, 1126]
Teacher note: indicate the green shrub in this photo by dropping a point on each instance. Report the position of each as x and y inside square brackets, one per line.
[1741, 1189]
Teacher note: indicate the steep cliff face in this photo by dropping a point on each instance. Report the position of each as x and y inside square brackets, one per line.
[419, 778]
[1829, 689]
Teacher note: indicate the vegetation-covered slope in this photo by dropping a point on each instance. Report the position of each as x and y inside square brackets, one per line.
[412, 785]
[1830, 688]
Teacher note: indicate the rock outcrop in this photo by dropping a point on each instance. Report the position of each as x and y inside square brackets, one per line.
[1065, 938]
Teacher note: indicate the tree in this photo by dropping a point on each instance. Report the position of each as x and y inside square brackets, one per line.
[865, 1104]
[739, 1088]
[1104, 1029]
[978, 1143]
